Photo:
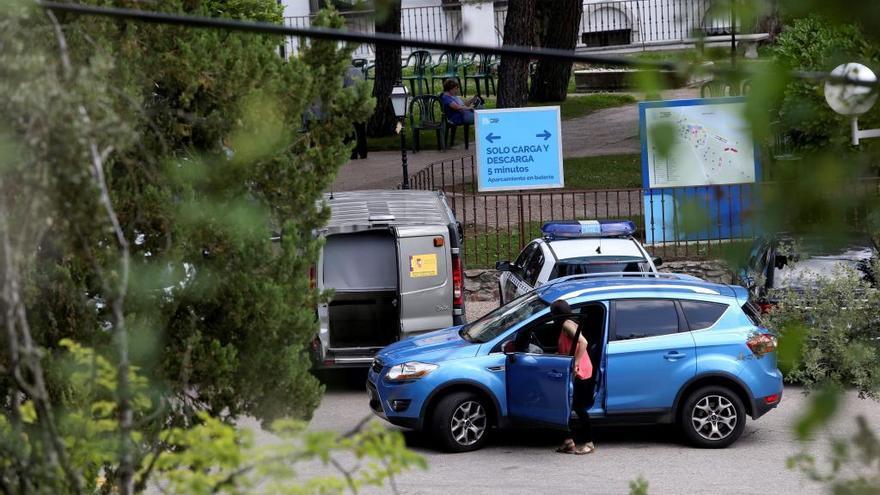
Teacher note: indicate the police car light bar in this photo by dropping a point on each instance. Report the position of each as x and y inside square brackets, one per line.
[571, 229]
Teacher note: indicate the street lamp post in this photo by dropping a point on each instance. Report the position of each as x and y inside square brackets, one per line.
[400, 100]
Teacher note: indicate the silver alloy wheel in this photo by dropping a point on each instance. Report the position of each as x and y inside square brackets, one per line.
[714, 417]
[468, 423]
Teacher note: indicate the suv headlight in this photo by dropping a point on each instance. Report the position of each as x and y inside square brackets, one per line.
[412, 370]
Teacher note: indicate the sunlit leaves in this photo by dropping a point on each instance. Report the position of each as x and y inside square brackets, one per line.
[213, 455]
[823, 404]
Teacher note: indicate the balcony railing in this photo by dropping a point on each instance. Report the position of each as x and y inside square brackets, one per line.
[644, 22]
[436, 23]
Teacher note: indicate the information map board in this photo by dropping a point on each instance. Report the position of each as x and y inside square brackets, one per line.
[710, 157]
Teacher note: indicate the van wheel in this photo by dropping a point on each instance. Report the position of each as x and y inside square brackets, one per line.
[712, 417]
[460, 422]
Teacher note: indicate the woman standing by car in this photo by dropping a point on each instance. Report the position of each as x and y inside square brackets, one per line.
[580, 439]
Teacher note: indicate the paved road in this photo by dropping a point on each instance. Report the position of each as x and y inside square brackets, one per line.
[523, 461]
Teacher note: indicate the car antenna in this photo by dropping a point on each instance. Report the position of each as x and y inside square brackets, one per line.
[599, 247]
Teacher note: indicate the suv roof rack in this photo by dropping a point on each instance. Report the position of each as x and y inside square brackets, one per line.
[668, 276]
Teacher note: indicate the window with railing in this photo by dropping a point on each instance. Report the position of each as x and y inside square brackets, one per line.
[607, 38]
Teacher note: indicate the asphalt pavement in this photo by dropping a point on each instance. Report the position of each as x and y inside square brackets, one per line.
[524, 461]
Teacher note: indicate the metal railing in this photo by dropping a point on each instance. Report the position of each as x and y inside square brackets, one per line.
[498, 225]
[644, 22]
[435, 23]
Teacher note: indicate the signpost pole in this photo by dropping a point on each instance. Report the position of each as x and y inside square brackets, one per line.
[405, 183]
[522, 221]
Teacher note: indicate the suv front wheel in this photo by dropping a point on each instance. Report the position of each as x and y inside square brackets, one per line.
[712, 417]
[461, 422]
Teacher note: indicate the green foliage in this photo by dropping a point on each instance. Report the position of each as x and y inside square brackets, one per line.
[210, 456]
[207, 161]
[214, 455]
[638, 486]
[830, 334]
[144, 169]
[814, 44]
[853, 462]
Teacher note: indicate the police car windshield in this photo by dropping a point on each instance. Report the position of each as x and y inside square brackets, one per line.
[599, 264]
[496, 322]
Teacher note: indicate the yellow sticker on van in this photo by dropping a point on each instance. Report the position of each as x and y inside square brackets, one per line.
[423, 265]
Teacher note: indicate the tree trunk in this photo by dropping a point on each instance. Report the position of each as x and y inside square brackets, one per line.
[771, 21]
[388, 72]
[513, 74]
[559, 30]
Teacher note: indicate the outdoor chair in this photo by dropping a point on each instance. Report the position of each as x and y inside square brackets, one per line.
[450, 133]
[483, 71]
[363, 64]
[447, 67]
[426, 114]
[714, 89]
[419, 61]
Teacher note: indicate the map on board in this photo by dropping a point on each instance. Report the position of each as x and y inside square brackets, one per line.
[712, 145]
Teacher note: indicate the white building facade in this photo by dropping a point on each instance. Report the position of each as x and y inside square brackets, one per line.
[611, 26]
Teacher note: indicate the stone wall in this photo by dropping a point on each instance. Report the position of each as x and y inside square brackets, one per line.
[482, 285]
[709, 270]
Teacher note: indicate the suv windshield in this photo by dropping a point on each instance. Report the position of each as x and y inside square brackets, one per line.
[496, 322]
[599, 264]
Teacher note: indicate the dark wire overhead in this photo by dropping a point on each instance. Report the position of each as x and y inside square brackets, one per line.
[391, 39]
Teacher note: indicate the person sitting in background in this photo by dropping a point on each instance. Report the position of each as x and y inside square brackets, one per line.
[458, 111]
[354, 75]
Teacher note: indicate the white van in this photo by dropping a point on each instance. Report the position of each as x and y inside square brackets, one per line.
[393, 262]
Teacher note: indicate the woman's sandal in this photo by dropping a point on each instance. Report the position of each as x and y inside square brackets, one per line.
[586, 449]
[567, 448]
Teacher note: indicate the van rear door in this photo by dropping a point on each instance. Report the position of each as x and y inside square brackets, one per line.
[425, 278]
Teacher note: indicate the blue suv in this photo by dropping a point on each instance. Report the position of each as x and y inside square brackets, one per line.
[665, 349]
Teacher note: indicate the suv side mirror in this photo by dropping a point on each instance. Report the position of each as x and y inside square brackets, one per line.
[503, 266]
[780, 261]
[508, 348]
[657, 261]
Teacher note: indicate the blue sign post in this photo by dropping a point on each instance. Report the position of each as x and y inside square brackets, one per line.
[519, 148]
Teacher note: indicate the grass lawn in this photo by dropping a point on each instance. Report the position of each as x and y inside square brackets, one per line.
[485, 248]
[572, 107]
[603, 172]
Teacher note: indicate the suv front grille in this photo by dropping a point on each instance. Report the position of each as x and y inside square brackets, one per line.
[377, 365]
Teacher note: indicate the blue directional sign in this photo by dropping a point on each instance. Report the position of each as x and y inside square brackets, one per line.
[519, 148]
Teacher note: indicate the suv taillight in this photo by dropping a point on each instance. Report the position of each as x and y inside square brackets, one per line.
[762, 343]
[457, 282]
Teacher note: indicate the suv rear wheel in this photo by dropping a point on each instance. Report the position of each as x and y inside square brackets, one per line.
[461, 422]
[712, 417]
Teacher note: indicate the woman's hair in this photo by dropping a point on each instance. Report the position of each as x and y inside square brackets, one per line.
[450, 84]
[560, 307]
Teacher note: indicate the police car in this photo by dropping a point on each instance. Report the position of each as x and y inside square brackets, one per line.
[573, 248]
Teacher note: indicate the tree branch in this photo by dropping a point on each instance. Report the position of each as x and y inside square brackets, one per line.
[349, 480]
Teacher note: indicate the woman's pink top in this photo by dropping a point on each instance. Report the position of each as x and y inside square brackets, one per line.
[585, 368]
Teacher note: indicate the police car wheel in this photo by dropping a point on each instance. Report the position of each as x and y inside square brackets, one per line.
[460, 422]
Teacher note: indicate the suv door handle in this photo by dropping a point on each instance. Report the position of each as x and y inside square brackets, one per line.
[673, 356]
[556, 375]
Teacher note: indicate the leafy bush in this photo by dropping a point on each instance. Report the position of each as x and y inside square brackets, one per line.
[831, 334]
[813, 44]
